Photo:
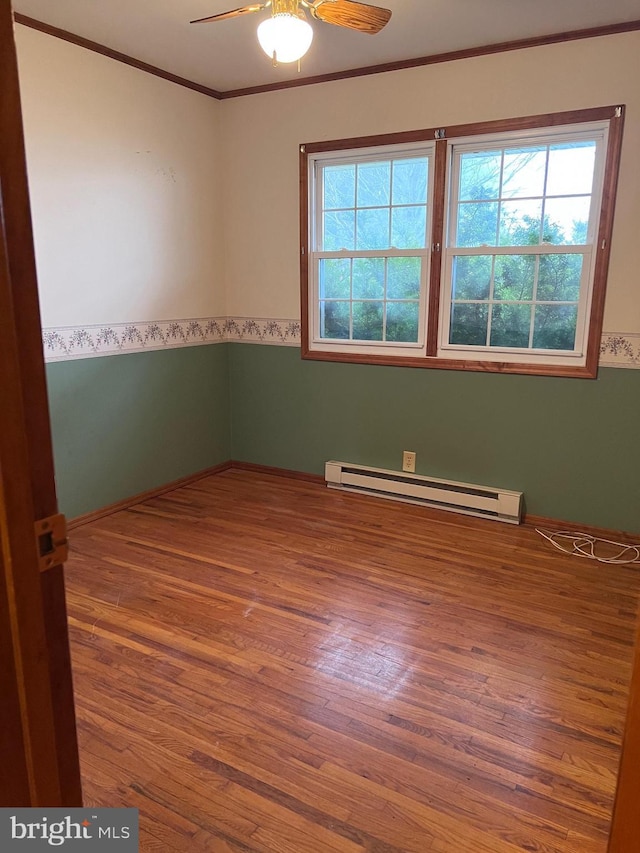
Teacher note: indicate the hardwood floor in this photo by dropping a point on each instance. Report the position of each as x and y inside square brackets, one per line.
[262, 664]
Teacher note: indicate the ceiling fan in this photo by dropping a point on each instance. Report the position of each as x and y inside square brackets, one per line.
[286, 35]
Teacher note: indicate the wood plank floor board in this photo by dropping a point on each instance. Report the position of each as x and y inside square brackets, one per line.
[468, 766]
[263, 665]
[191, 781]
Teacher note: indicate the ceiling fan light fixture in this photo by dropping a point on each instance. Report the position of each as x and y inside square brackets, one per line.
[286, 36]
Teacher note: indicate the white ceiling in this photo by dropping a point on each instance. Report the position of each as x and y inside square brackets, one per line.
[225, 55]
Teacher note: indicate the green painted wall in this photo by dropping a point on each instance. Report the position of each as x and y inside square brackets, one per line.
[572, 446]
[124, 424]
[127, 423]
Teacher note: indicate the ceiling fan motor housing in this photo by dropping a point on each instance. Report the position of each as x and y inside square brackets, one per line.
[286, 7]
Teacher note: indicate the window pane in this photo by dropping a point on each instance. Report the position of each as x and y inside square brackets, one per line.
[403, 278]
[339, 187]
[368, 278]
[513, 277]
[566, 220]
[555, 327]
[523, 172]
[373, 228]
[334, 320]
[409, 227]
[339, 230]
[402, 321]
[410, 181]
[479, 175]
[520, 223]
[510, 325]
[367, 321]
[559, 277]
[571, 166]
[477, 224]
[468, 324]
[472, 277]
[374, 183]
[335, 278]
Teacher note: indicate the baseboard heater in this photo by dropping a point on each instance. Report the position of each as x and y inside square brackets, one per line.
[481, 501]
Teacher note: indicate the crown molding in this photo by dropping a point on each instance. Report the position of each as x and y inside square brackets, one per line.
[102, 49]
[433, 59]
[436, 58]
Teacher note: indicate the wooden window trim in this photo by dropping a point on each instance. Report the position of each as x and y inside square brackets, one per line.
[613, 113]
[437, 245]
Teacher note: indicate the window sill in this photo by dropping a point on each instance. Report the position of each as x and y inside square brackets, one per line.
[588, 371]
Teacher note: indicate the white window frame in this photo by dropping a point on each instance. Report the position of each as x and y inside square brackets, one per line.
[350, 157]
[591, 131]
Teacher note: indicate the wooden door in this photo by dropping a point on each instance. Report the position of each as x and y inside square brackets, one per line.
[38, 745]
[625, 826]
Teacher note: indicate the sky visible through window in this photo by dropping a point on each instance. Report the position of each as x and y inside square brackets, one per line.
[504, 191]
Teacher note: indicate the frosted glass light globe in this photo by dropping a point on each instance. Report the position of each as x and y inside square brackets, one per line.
[288, 36]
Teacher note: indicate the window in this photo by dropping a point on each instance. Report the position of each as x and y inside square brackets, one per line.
[371, 232]
[476, 247]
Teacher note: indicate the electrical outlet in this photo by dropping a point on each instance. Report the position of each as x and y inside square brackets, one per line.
[409, 461]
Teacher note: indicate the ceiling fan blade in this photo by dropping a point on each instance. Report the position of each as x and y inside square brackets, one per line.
[234, 13]
[356, 16]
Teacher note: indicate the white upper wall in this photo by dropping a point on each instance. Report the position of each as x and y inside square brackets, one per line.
[262, 134]
[124, 173]
[153, 202]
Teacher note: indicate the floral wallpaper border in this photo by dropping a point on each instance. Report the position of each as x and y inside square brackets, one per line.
[620, 349]
[65, 343]
[617, 349]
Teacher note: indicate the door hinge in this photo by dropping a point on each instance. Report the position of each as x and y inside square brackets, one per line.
[51, 541]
